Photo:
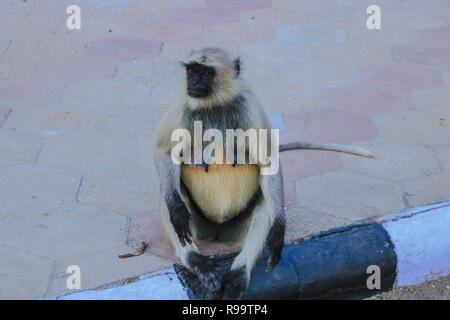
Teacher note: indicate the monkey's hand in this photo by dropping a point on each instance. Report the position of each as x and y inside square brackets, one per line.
[179, 217]
[275, 242]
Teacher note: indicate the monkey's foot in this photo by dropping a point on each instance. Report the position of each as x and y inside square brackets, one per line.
[204, 268]
[234, 284]
[209, 280]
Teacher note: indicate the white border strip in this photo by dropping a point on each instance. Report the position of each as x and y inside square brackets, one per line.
[422, 244]
[163, 286]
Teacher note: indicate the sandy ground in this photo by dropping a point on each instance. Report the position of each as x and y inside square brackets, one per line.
[430, 290]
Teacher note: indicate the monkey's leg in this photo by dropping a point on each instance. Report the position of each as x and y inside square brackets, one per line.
[182, 251]
[235, 281]
[272, 188]
[201, 265]
[267, 227]
[176, 220]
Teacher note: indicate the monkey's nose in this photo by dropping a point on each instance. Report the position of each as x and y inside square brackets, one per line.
[194, 80]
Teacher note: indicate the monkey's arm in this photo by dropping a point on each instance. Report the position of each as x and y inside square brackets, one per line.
[170, 188]
[327, 146]
[272, 188]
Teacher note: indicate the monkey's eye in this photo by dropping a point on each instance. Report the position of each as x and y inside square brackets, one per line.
[189, 70]
[206, 73]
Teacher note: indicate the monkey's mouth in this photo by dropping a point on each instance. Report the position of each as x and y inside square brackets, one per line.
[196, 93]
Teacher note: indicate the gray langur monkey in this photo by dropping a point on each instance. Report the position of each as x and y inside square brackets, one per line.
[226, 202]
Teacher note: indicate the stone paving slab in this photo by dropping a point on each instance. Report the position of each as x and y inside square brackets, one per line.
[108, 94]
[312, 163]
[419, 190]
[79, 111]
[400, 127]
[71, 230]
[29, 92]
[123, 49]
[128, 190]
[102, 267]
[52, 120]
[394, 161]
[23, 275]
[17, 148]
[86, 153]
[29, 186]
[4, 113]
[75, 68]
[303, 222]
[443, 155]
[349, 195]
[432, 100]
[367, 100]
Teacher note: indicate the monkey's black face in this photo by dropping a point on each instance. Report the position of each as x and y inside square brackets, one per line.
[199, 80]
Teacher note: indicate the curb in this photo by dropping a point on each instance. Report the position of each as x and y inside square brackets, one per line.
[409, 249]
[328, 265]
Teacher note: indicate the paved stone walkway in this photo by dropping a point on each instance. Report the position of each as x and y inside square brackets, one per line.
[79, 110]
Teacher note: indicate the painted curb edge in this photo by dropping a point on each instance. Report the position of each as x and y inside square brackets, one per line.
[410, 248]
[328, 265]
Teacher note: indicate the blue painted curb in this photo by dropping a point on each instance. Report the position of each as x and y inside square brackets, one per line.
[329, 265]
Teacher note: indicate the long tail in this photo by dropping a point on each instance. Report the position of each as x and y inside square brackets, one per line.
[327, 146]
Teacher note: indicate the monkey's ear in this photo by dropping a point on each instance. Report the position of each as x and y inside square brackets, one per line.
[237, 65]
